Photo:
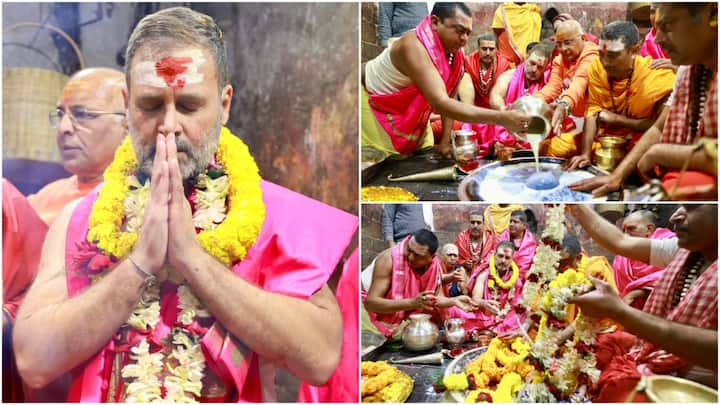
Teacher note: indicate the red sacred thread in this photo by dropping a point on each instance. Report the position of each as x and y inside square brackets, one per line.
[170, 67]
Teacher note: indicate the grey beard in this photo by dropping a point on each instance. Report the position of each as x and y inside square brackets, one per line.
[196, 162]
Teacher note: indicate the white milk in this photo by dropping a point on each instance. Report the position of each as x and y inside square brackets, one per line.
[534, 141]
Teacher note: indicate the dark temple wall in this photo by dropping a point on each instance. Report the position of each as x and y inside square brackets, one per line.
[592, 17]
[295, 104]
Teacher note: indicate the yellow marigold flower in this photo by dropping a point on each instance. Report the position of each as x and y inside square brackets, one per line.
[456, 382]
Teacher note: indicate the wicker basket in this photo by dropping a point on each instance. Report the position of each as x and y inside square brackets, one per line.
[29, 95]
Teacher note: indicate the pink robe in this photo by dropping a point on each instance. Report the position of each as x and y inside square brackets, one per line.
[282, 260]
[633, 274]
[525, 254]
[404, 115]
[481, 321]
[343, 384]
[651, 48]
[405, 283]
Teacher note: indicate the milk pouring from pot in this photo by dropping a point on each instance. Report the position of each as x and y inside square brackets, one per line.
[539, 126]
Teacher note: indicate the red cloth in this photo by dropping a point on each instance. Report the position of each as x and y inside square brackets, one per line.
[632, 274]
[343, 384]
[677, 124]
[437, 129]
[525, 253]
[689, 179]
[404, 114]
[23, 236]
[480, 257]
[472, 67]
[698, 307]
[281, 261]
[405, 283]
[652, 49]
[617, 353]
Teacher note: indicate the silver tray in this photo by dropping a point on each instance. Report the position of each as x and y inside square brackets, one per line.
[486, 183]
[458, 366]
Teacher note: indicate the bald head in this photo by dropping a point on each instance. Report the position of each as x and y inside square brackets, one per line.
[568, 27]
[640, 223]
[91, 122]
[568, 37]
[449, 255]
[105, 84]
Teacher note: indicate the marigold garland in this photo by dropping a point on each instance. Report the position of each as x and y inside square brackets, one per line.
[228, 242]
[229, 211]
[505, 285]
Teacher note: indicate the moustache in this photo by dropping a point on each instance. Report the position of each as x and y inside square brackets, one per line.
[181, 145]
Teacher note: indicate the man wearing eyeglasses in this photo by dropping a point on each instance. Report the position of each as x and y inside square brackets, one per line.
[567, 85]
[90, 124]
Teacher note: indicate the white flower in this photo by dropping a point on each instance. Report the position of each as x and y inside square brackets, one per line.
[145, 317]
[189, 305]
[146, 386]
[555, 223]
[134, 204]
[186, 377]
[210, 203]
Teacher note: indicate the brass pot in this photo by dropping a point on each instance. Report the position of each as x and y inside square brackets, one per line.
[611, 152]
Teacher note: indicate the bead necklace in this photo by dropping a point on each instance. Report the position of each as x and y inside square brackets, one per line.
[485, 85]
[689, 275]
[451, 58]
[476, 253]
[626, 104]
[699, 95]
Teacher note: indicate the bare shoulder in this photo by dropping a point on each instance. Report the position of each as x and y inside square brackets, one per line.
[383, 263]
[507, 75]
[408, 51]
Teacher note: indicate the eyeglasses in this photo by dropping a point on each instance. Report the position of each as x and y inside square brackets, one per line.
[78, 115]
[451, 255]
[476, 222]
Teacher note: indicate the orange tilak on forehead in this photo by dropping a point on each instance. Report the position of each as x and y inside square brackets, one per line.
[91, 87]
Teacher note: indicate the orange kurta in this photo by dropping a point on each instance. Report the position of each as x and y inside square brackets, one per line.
[636, 99]
[577, 74]
[50, 200]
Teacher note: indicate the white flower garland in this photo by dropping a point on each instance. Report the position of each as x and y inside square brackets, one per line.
[561, 372]
[185, 364]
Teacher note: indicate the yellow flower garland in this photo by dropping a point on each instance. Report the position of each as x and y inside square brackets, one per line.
[505, 285]
[229, 242]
